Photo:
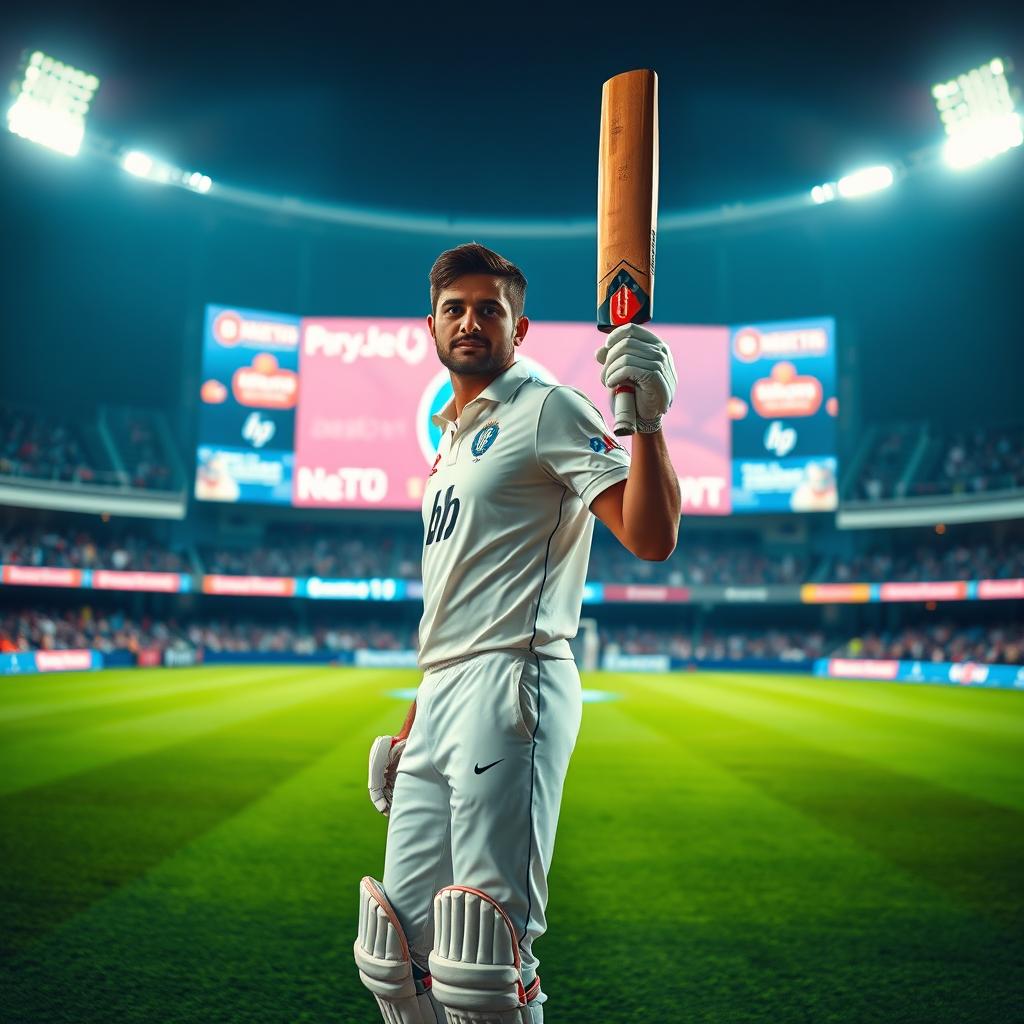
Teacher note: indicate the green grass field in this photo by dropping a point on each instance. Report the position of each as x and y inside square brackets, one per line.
[185, 845]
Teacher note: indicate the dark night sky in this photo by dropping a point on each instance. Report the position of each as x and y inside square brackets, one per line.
[462, 109]
[456, 111]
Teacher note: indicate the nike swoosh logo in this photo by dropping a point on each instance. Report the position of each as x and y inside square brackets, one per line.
[479, 771]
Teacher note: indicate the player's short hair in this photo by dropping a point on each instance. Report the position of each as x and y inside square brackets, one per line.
[474, 258]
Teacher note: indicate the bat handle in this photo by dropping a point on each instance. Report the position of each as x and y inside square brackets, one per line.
[624, 405]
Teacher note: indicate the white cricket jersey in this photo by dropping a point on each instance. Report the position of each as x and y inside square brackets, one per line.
[506, 518]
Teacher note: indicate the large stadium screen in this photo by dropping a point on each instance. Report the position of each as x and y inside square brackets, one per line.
[336, 412]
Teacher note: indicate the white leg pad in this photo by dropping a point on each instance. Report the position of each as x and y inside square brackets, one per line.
[475, 961]
[385, 967]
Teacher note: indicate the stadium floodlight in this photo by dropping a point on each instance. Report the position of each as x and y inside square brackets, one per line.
[51, 104]
[979, 116]
[142, 165]
[824, 193]
[196, 181]
[866, 181]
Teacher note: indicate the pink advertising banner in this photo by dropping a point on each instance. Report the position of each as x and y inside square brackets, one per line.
[368, 389]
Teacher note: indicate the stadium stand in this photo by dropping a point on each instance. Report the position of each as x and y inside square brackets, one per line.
[353, 552]
[697, 560]
[120, 448]
[81, 549]
[90, 627]
[373, 551]
[919, 460]
[716, 645]
[945, 641]
[52, 448]
[885, 463]
[144, 458]
[978, 560]
[986, 459]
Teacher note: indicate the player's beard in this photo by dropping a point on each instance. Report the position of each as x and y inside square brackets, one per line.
[476, 364]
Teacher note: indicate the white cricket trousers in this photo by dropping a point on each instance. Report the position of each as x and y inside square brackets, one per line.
[478, 790]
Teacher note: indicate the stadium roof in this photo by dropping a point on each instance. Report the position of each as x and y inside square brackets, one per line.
[452, 110]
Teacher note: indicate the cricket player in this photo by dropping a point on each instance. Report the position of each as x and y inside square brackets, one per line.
[473, 781]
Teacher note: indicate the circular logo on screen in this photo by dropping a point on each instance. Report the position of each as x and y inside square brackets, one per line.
[747, 344]
[227, 328]
[438, 393]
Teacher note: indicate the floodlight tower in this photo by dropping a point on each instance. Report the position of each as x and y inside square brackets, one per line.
[52, 102]
[978, 111]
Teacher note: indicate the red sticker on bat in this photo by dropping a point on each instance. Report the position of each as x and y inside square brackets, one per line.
[624, 305]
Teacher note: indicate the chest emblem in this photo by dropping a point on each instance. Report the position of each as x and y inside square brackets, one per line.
[485, 437]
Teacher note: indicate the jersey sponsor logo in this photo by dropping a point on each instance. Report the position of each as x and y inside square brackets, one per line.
[443, 517]
[477, 770]
[485, 437]
[433, 468]
[604, 444]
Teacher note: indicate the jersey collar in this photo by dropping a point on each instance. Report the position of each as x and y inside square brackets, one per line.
[501, 389]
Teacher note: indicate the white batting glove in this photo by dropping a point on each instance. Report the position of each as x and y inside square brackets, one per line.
[384, 756]
[636, 355]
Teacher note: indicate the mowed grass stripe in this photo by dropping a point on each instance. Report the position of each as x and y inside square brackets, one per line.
[43, 758]
[728, 905]
[253, 921]
[144, 699]
[93, 691]
[68, 843]
[969, 847]
[681, 890]
[985, 766]
[989, 713]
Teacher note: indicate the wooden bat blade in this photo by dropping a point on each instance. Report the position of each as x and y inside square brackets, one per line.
[627, 199]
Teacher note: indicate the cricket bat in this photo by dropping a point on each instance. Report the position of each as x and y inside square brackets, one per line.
[627, 213]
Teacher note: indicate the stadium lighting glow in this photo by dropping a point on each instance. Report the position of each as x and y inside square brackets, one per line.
[52, 103]
[979, 116]
[866, 181]
[142, 165]
[137, 163]
[824, 193]
[197, 182]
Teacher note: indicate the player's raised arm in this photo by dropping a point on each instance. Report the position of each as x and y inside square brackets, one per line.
[642, 510]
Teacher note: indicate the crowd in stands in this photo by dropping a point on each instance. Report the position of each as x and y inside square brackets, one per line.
[720, 645]
[884, 465]
[367, 552]
[53, 630]
[695, 563]
[142, 456]
[80, 549]
[944, 641]
[362, 552]
[976, 461]
[961, 562]
[96, 629]
[43, 446]
[30, 629]
[55, 447]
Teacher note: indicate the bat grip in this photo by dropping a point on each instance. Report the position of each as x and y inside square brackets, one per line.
[624, 406]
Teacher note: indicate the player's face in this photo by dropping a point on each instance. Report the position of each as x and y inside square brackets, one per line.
[473, 327]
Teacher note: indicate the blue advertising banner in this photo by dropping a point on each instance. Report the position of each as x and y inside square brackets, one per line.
[960, 673]
[248, 395]
[50, 661]
[783, 408]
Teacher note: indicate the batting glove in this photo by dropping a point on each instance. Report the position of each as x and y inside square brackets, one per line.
[384, 757]
[635, 355]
